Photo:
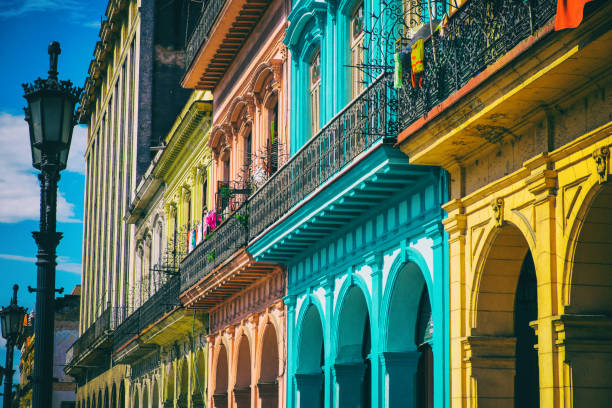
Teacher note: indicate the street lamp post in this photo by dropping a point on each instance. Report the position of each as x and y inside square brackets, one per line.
[12, 330]
[51, 117]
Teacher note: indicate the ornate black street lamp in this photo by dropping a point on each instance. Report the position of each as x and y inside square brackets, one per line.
[51, 116]
[12, 330]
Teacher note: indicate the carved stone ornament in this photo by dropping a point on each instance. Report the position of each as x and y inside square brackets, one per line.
[602, 161]
[172, 209]
[186, 193]
[497, 205]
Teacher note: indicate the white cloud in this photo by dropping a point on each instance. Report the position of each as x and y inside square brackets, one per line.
[18, 258]
[64, 263]
[19, 189]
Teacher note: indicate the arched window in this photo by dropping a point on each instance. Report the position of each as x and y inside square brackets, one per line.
[248, 156]
[357, 58]
[272, 141]
[315, 92]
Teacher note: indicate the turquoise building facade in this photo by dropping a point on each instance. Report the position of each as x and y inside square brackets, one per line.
[364, 247]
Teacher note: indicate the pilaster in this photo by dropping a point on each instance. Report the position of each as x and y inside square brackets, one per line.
[490, 370]
[400, 369]
[456, 227]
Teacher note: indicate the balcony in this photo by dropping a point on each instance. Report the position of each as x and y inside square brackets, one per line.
[90, 350]
[228, 238]
[127, 346]
[361, 132]
[220, 32]
[496, 63]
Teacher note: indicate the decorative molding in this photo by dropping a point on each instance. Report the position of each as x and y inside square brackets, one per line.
[542, 183]
[497, 205]
[602, 162]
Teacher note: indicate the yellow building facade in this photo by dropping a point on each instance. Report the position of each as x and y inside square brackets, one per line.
[527, 145]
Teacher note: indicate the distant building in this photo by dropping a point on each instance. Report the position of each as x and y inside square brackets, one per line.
[66, 332]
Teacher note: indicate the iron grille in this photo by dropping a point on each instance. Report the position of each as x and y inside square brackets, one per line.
[478, 34]
[209, 15]
[160, 303]
[230, 236]
[146, 365]
[367, 119]
[103, 326]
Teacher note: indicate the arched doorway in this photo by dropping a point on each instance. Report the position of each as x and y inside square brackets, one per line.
[221, 379]
[352, 368]
[155, 396]
[311, 358]
[106, 403]
[242, 388]
[267, 383]
[99, 403]
[507, 372]
[408, 356]
[587, 322]
[526, 381]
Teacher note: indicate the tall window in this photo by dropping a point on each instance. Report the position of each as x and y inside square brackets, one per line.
[226, 169]
[272, 144]
[204, 188]
[248, 142]
[189, 210]
[357, 59]
[315, 92]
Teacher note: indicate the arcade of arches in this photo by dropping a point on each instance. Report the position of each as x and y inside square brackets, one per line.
[247, 361]
[177, 383]
[366, 351]
[531, 289]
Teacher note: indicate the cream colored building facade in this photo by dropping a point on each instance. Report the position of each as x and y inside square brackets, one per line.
[131, 99]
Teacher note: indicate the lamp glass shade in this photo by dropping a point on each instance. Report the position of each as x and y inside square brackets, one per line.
[52, 118]
[63, 157]
[12, 320]
[5, 323]
[36, 119]
[67, 121]
[36, 153]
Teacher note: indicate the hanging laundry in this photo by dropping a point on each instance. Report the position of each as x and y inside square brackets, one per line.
[397, 71]
[199, 235]
[191, 239]
[417, 65]
[569, 13]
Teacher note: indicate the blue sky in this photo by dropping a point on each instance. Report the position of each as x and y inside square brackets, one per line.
[26, 28]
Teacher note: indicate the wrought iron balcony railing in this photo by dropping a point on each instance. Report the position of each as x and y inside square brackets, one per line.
[146, 365]
[479, 33]
[103, 325]
[367, 119]
[207, 19]
[362, 122]
[230, 236]
[160, 303]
